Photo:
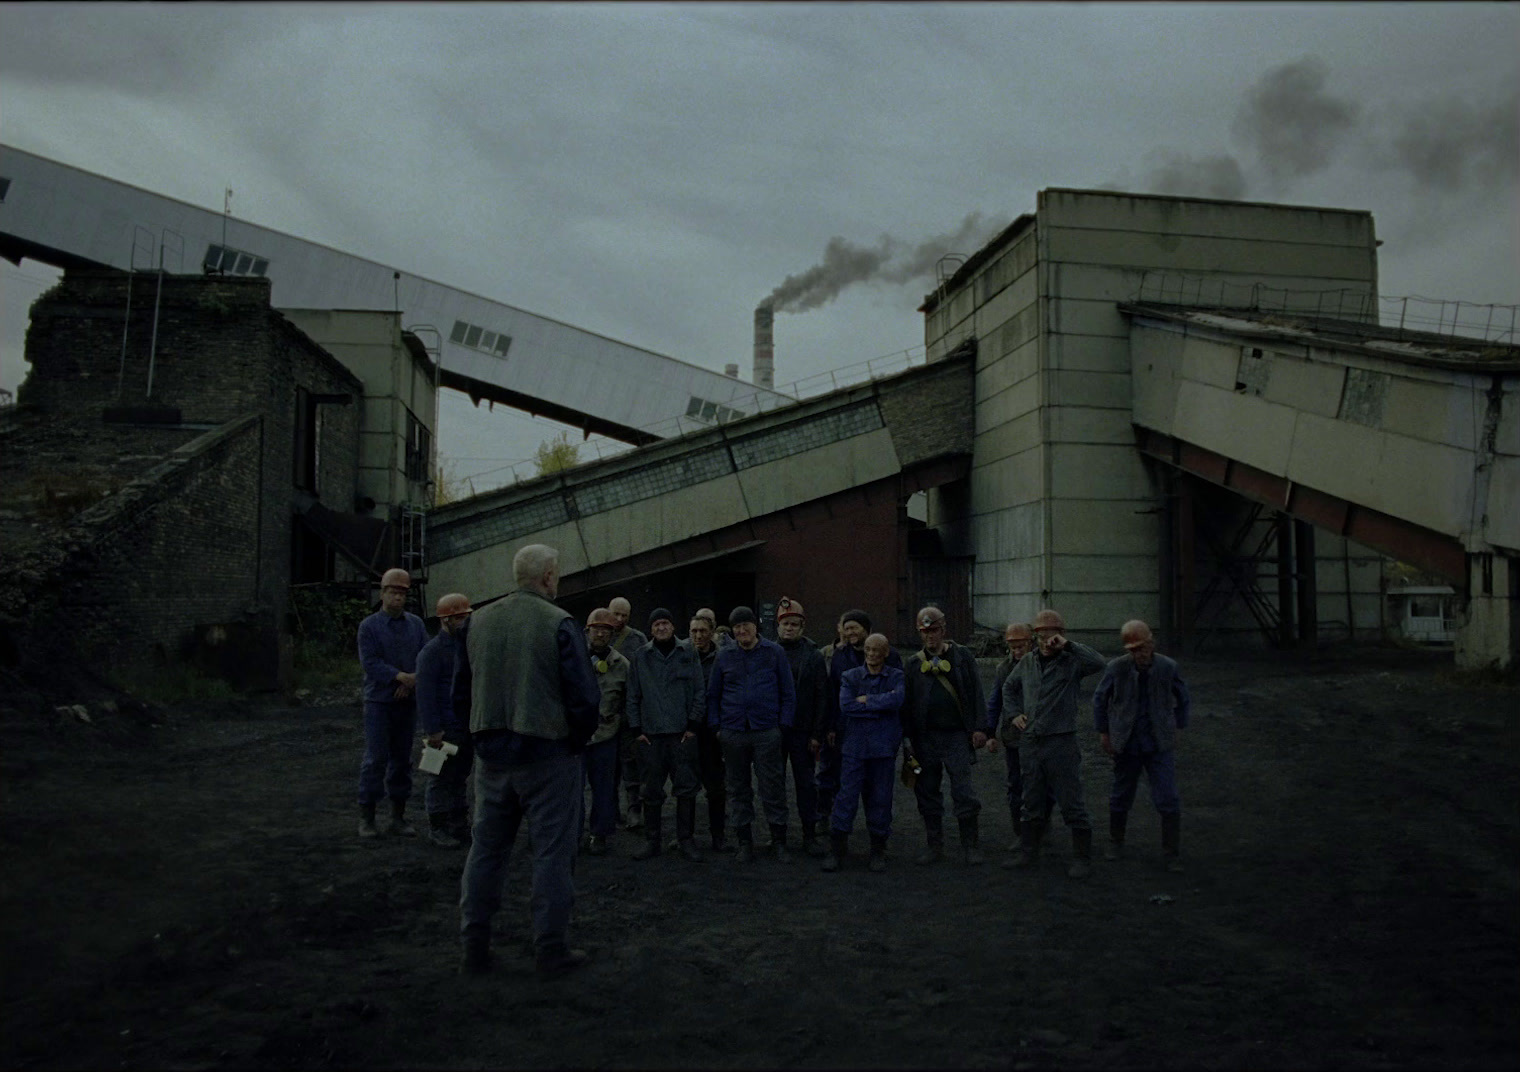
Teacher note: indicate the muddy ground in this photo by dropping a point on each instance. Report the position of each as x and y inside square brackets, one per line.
[191, 895]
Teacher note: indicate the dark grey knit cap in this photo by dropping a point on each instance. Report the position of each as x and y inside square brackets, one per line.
[740, 615]
[857, 616]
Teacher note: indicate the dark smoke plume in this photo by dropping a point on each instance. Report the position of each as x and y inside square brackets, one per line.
[1208, 176]
[891, 260]
[1447, 145]
[1293, 125]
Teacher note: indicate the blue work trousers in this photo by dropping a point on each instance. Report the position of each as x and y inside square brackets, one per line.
[1160, 774]
[548, 794]
[868, 779]
[389, 733]
[826, 775]
[795, 750]
[445, 791]
[601, 760]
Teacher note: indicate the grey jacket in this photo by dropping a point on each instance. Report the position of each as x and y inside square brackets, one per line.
[665, 693]
[1117, 701]
[1049, 696]
[613, 682]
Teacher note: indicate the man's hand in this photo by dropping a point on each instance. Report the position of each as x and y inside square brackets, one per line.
[686, 736]
[1108, 745]
[861, 699]
[403, 691]
[978, 739]
[435, 740]
[833, 739]
[405, 684]
[992, 745]
[643, 738]
[815, 746]
[1021, 723]
[1056, 643]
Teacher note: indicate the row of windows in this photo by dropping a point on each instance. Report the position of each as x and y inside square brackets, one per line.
[508, 523]
[229, 261]
[781, 443]
[711, 412]
[478, 338]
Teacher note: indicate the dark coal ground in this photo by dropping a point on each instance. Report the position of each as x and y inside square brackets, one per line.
[191, 895]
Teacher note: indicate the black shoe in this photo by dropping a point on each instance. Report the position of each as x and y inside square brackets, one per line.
[553, 965]
[745, 854]
[597, 846]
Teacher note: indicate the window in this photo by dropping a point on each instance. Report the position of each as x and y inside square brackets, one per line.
[478, 338]
[711, 412]
[227, 261]
[419, 445]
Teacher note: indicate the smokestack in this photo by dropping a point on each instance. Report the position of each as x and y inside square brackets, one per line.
[765, 346]
[731, 371]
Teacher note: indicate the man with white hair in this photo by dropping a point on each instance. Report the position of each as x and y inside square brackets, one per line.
[1040, 698]
[525, 677]
[448, 809]
[389, 641]
[1140, 708]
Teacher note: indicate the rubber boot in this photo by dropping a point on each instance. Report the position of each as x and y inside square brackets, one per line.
[778, 842]
[1081, 851]
[1171, 842]
[367, 827]
[1117, 821]
[934, 852]
[475, 957]
[717, 820]
[652, 844]
[839, 847]
[810, 843]
[635, 819]
[399, 827]
[686, 829]
[552, 963]
[971, 852]
[878, 853]
[1029, 844]
[459, 822]
[1014, 814]
[746, 851]
[440, 832]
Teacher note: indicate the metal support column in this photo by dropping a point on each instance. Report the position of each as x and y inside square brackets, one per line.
[1308, 584]
[1285, 637]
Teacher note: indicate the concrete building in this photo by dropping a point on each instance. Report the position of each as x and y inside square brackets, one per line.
[176, 461]
[1062, 510]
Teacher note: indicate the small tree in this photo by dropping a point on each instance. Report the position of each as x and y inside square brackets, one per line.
[448, 485]
[555, 454]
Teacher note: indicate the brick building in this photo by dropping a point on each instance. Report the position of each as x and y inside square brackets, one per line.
[177, 458]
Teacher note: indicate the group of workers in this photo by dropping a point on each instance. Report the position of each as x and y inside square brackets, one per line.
[546, 711]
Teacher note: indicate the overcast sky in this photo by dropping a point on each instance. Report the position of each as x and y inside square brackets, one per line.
[650, 173]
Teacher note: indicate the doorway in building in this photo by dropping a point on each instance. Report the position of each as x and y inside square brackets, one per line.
[732, 590]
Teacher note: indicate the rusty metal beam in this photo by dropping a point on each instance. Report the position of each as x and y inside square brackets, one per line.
[1403, 540]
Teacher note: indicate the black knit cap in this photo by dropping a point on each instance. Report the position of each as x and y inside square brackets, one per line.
[857, 616]
[660, 614]
[740, 615]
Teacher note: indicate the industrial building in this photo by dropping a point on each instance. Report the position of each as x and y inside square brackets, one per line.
[1170, 408]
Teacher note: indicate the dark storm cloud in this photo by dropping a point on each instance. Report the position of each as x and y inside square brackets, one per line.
[1294, 126]
[890, 260]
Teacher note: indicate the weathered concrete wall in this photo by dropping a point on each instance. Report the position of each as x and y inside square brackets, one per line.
[1062, 509]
